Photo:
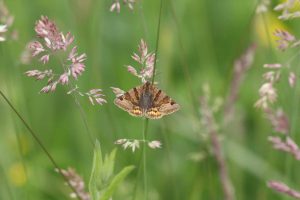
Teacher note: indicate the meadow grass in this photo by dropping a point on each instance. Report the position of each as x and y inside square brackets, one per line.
[198, 44]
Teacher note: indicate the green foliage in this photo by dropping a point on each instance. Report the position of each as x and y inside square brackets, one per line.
[103, 182]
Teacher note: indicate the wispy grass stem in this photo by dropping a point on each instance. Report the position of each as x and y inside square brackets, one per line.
[146, 121]
[36, 138]
[145, 129]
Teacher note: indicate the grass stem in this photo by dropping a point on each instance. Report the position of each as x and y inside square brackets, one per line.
[145, 129]
[146, 121]
[36, 138]
[157, 40]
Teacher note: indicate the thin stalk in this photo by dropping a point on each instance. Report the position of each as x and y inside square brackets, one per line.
[84, 119]
[223, 171]
[138, 178]
[17, 133]
[145, 129]
[226, 184]
[157, 40]
[146, 121]
[144, 166]
[36, 138]
[82, 113]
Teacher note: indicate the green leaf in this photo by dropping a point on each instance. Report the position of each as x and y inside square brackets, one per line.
[102, 183]
[108, 167]
[96, 171]
[108, 192]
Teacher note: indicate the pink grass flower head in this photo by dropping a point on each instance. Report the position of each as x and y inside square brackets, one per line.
[267, 92]
[285, 39]
[46, 89]
[77, 184]
[279, 120]
[54, 39]
[283, 188]
[6, 23]
[146, 61]
[268, 95]
[77, 66]
[44, 59]
[64, 78]
[288, 146]
[286, 8]
[292, 79]
[241, 66]
[51, 40]
[39, 75]
[36, 48]
[211, 126]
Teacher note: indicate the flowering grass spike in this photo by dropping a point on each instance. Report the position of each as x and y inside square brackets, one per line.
[283, 188]
[77, 183]
[51, 42]
[116, 5]
[146, 62]
[134, 144]
[6, 22]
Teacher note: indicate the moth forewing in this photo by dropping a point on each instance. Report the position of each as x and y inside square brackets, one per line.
[128, 107]
[169, 108]
[123, 104]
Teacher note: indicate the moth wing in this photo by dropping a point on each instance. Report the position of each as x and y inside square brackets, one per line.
[158, 95]
[162, 104]
[129, 102]
[169, 108]
[160, 111]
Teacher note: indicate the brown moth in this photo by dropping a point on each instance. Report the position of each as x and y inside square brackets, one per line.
[147, 101]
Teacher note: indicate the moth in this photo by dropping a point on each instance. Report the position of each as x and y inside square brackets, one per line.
[146, 101]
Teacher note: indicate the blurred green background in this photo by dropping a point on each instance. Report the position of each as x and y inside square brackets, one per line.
[213, 34]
